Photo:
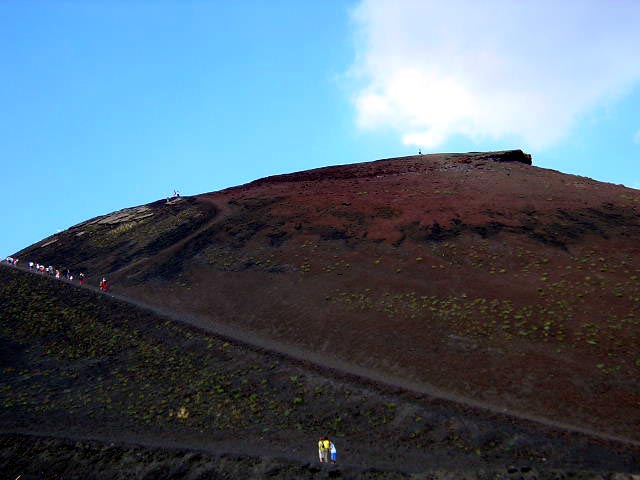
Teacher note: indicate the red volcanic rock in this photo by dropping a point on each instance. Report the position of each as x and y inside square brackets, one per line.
[476, 273]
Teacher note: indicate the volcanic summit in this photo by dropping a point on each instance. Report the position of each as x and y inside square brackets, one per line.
[474, 277]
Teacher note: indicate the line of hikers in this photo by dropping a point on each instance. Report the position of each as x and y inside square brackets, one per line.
[327, 450]
[36, 267]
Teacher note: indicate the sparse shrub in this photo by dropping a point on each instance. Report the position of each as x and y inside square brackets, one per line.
[183, 413]
[122, 228]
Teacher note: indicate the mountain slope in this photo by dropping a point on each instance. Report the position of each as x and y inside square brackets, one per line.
[476, 273]
[93, 387]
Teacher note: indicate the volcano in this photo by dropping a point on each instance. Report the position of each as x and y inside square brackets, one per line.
[472, 277]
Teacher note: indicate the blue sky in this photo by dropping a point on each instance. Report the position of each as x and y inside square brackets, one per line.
[107, 105]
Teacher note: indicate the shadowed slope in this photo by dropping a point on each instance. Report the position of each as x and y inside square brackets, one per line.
[93, 387]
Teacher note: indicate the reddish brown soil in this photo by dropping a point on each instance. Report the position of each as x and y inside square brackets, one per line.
[503, 283]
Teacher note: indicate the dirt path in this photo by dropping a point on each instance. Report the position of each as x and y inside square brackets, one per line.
[166, 442]
[30, 455]
[337, 367]
[222, 211]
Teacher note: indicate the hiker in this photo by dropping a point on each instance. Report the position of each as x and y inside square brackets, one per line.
[323, 449]
[103, 285]
[326, 445]
[333, 451]
[30, 265]
[81, 278]
[58, 274]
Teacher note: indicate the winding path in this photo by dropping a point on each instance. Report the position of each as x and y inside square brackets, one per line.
[222, 211]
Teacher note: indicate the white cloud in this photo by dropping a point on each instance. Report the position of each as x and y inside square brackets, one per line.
[491, 69]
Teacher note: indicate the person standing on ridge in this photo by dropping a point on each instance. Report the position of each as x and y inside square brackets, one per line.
[333, 451]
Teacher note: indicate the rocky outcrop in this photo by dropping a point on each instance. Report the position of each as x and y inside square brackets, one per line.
[506, 156]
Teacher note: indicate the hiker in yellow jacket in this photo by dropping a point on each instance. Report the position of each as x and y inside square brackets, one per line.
[323, 449]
